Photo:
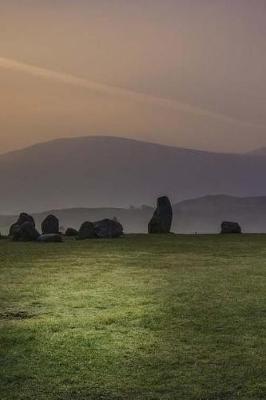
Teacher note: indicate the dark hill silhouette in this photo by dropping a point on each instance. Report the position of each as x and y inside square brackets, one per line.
[116, 172]
[202, 215]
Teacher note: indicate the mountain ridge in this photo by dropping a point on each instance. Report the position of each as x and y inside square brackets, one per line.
[119, 138]
[95, 171]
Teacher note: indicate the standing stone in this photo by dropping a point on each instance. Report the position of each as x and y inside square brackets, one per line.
[230, 227]
[86, 231]
[50, 225]
[24, 217]
[108, 228]
[23, 229]
[161, 221]
[14, 230]
[25, 232]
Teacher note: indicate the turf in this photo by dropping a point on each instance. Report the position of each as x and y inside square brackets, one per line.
[142, 317]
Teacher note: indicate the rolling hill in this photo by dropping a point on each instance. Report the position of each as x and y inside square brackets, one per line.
[115, 172]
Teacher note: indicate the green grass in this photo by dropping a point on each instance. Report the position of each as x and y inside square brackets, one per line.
[142, 317]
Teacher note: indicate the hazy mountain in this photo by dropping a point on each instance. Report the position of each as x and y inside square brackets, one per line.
[202, 215]
[116, 172]
[205, 214]
[258, 152]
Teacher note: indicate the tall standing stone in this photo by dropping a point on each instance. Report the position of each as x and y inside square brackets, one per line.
[161, 221]
[50, 225]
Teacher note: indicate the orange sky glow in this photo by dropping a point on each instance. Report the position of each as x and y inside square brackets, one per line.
[185, 73]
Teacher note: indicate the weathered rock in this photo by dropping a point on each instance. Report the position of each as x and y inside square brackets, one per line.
[108, 228]
[50, 238]
[230, 227]
[161, 221]
[25, 232]
[24, 217]
[86, 231]
[15, 231]
[50, 225]
[71, 232]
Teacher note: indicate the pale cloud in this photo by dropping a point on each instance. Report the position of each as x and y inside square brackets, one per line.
[110, 90]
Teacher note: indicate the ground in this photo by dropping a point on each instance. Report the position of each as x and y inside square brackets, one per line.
[141, 317]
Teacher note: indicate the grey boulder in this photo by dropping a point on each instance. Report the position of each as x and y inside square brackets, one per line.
[14, 230]
[23, 217]
[230, 227]
[86, 231]
[108, 228]
[25, 232]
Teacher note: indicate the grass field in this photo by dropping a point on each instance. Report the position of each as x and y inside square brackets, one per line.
[174, 317]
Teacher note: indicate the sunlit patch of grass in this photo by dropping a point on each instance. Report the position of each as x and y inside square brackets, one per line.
[142, 317]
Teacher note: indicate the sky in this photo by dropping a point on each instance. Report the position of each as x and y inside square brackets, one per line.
[189, 73]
